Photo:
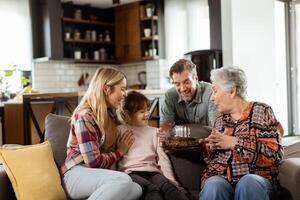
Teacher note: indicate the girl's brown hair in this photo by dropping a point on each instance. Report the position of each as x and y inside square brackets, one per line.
[133, 102]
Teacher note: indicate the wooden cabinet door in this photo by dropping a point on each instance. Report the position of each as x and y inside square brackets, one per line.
[13, 123]
[127, 23]
[133, 33]
[120, 32]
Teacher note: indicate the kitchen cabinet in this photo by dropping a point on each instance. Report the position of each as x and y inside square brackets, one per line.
[139, 36]
[88, 33]
[149, 30]
[68, 31]
[14, 122]
[13, 126]
[127, 28]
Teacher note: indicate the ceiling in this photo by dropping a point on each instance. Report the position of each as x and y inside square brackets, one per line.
[99, 3]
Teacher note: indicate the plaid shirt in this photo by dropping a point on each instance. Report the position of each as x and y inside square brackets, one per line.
[258, 150]
[84, 144]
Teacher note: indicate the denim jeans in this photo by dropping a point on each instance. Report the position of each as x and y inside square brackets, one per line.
[250, 186]
[81, 182]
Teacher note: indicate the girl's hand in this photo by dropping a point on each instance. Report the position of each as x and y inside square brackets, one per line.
[181, 189]
[124, 142]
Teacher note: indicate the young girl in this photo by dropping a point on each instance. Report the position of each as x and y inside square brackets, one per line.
[145, 162]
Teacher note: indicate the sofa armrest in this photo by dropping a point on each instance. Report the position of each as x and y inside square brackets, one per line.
[6, 190]
[289, 177]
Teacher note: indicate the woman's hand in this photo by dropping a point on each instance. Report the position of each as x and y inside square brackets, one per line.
[217, 140]
[124, 142]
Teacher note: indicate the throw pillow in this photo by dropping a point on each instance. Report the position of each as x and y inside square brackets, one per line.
[33, 172]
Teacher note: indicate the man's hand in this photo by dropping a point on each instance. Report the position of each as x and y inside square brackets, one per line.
[166, 126]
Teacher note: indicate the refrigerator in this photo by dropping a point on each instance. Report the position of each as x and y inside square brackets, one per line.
[205, 60]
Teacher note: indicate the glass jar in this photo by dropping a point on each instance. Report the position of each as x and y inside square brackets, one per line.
[78, 14]
[94, 35]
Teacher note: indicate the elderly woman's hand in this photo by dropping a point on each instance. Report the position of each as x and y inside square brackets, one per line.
[217, 140]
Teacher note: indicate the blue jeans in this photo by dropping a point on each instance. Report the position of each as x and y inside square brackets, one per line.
[250, 186]
[81, 182]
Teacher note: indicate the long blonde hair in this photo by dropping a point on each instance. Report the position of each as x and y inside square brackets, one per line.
[95, 99]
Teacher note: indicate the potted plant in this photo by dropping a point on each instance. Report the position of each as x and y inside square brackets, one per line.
[68, 32]
[4, 90]
[149, 9]
[77, 53]
[6, 83]
[147, 32]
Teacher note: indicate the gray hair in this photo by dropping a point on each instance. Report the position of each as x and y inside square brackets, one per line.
[231, 76]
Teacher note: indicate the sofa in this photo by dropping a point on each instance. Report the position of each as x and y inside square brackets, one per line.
[187, 164]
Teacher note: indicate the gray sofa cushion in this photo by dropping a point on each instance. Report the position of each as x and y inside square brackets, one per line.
[57, 130]
[292, 151]
[289, 177]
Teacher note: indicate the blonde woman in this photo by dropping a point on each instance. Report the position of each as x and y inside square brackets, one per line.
[93, 146]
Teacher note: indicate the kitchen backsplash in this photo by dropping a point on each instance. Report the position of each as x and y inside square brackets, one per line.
[58, 76]
[157, 74]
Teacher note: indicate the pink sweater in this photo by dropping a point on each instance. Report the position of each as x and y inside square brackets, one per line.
[145, 154]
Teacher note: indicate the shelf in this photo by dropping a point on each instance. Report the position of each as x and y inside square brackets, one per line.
[88, 41]
[149, 18]
[94, 61]
[154, 37]
[83, 21]
[150, 57]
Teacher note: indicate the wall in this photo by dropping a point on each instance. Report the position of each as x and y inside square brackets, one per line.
[131, 71]
[157, 74]
[187, 23]
[59, 76]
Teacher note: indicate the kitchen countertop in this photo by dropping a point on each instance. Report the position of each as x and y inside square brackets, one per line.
[71, 94]
[52, 94]
[152, 92]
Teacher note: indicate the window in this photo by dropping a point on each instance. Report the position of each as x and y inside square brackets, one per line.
[296, 57]
[281, 108]
[15, 39]
[294, 60]
[292, 32]
[187, 23]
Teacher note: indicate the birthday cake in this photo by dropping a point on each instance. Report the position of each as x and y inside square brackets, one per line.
[179, 142]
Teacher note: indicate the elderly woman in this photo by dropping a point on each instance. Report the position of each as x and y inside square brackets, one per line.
[244, 150]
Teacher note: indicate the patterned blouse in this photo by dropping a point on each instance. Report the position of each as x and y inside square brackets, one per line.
[258, 150]
[84, 144]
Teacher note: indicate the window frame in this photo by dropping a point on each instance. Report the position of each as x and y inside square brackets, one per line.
[292, 68]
